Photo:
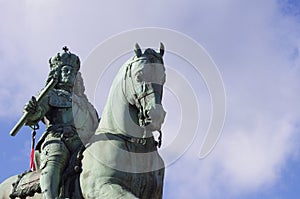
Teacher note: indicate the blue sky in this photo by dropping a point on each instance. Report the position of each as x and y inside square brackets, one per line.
[255, 45]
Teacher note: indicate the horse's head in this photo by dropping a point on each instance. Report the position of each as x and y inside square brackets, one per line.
[143, 86]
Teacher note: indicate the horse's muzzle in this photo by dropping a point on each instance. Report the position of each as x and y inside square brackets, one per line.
[157, 115]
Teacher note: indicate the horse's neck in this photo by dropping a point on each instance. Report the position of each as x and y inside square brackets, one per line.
[118, 116]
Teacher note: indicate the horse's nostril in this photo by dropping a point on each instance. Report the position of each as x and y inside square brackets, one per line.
[147, 114]
[148, 117]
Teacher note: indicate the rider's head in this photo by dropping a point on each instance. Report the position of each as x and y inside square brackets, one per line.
[64, 66]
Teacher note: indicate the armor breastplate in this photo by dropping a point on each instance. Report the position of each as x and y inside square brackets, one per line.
[60, 112]
[60, 99]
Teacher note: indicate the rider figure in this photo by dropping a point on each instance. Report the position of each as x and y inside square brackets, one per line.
[61, 139]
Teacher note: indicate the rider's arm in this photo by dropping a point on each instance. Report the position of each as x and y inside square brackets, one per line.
[36, 110]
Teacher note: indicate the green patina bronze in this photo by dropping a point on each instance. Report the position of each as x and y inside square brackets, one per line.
[121, 158]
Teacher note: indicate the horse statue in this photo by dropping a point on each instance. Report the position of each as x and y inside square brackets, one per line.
[121, 158]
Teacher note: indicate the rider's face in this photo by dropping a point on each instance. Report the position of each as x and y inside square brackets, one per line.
[68, 75]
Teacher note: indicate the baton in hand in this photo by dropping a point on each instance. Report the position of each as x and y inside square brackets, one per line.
[43, 93]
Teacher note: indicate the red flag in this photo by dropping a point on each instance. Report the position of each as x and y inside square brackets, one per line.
[32, 165]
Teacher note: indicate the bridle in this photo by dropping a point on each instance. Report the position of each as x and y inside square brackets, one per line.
[139, 98]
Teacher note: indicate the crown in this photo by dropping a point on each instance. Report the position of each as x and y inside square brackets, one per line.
[65, 58]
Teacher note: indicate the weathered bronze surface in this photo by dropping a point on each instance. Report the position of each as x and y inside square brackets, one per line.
[121, 158]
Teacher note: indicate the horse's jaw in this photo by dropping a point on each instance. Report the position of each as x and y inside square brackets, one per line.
[157, 115]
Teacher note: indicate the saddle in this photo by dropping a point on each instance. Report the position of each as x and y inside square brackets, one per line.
[28, 183]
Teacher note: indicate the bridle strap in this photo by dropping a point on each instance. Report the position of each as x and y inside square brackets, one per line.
[137, 98]
[145, 94]
[143, 118]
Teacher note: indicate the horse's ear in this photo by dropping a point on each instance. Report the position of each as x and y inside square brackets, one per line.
[161, 49]
[137, 50]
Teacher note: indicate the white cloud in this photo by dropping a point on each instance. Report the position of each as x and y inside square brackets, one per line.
[262, 84]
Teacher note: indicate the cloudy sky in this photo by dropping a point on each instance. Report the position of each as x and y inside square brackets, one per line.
[255, 45]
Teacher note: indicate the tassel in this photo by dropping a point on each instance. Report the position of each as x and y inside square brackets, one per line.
[32, 165]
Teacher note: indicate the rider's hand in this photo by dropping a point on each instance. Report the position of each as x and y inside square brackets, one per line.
[34, 110]
[32, 107]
